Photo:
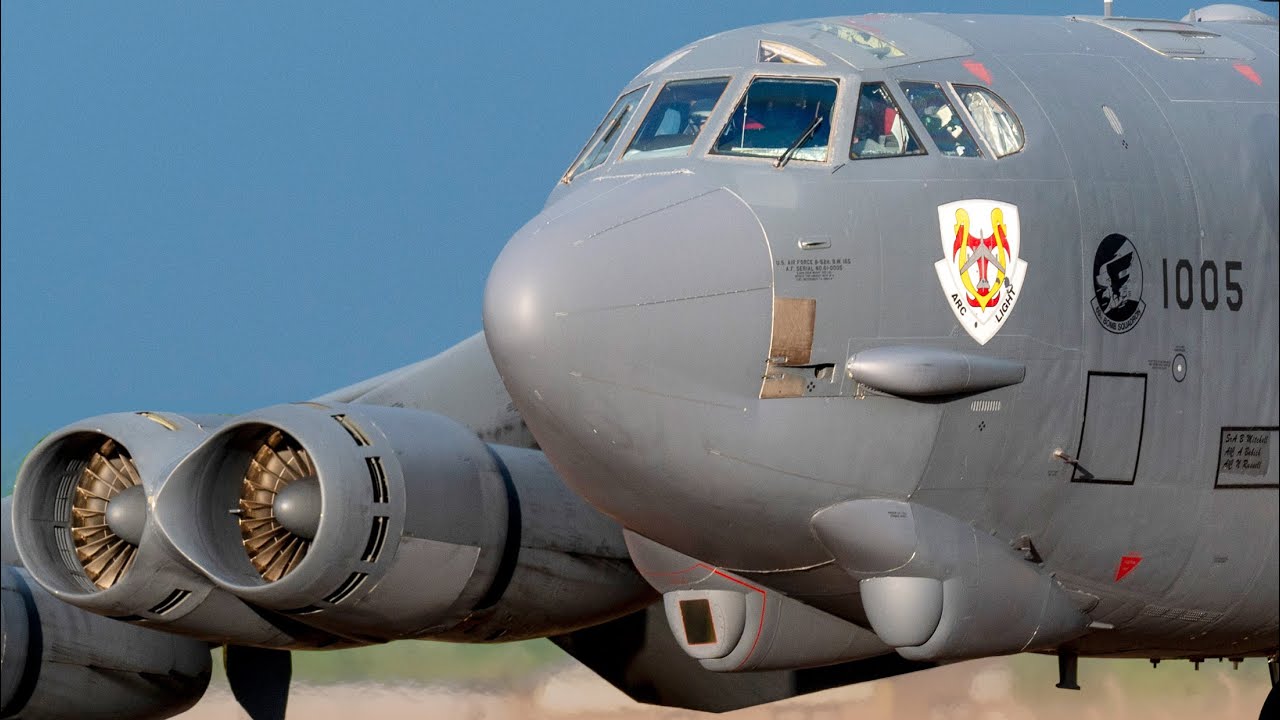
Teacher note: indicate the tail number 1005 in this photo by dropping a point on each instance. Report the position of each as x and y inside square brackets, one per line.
[1214, 288]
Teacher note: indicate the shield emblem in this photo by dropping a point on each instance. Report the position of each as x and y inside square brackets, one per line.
[981, 269]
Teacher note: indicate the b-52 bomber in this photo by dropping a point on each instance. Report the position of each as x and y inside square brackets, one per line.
[845, 348]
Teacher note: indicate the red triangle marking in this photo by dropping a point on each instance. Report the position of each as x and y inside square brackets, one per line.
[1126, 566]
[1250, 74]
[978, 69]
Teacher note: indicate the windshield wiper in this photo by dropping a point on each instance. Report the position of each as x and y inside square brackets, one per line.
[786, 156]
[603, 143]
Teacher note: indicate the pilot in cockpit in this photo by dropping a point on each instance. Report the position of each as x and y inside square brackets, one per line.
[677, 116]
[945, 127]
[878, 128]
[868, 131]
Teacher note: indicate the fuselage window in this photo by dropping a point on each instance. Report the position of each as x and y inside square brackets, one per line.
[940, 119]
[776, 52]
[879, 130]
[606, 135]
[992, 119]
[781, 116]
[676, 117]
[850, 31]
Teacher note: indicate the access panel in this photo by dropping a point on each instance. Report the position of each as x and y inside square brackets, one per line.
[1111, 439]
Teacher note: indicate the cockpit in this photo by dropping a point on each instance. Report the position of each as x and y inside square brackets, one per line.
[777, 116]
[676, 117]
[783, 108]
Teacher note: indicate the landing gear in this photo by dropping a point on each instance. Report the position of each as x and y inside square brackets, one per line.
[1271, 706]
[1068, 664]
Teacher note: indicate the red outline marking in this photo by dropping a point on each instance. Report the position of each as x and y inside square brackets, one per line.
[764, 597]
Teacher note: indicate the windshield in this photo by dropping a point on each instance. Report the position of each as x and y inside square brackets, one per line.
[606, 135]
[774, 114]
[675, 120]
[940, 119]
[992, 119]
[878, 127]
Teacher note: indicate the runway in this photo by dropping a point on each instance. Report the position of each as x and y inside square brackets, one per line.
[997, 689]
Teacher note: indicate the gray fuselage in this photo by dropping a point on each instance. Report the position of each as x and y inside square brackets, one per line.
[636, 322]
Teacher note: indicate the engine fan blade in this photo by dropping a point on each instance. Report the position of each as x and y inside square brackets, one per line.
[259, 679]
[108, 513]
[279, 506]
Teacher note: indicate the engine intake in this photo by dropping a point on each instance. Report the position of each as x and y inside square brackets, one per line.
[84, 528]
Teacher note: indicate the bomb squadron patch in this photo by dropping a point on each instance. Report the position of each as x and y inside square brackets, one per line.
[980, 270]
[1117, 284]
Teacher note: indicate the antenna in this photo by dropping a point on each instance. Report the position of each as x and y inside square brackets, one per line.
[1106, 8]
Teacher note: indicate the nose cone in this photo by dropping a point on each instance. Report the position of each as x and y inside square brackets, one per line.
[610, 315]
[516, 297]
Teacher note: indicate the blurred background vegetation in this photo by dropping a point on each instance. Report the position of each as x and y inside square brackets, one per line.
[510, 665]
[522, 665]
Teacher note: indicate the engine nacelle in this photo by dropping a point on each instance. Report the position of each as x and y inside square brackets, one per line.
[63, 662]
[379, 523]
[935, 588]
[84, 527]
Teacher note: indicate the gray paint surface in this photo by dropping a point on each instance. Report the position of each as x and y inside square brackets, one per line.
[637, 362]
[755, 375]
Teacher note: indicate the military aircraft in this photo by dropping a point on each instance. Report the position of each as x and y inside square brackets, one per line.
[845, 348]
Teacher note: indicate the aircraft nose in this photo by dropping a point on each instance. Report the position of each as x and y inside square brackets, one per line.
[517, 294]
[657, 287]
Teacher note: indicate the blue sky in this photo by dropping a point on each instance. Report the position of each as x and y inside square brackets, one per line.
[215, 207]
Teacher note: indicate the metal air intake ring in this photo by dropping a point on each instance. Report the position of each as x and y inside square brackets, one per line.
[81, 515]
[84, 527]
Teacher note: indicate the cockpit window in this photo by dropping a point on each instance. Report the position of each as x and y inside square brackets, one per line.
[778, 116]
[940, 119]
[992, 119]
[676, 117]
[606, 135]
[849, 31]
[879, 129]
[776, 52]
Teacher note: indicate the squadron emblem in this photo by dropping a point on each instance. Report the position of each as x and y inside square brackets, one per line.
[1117, 284]
[980, 270]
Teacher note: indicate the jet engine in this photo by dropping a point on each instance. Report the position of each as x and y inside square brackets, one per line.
[84, 527]
[377, 523]
[62, 662]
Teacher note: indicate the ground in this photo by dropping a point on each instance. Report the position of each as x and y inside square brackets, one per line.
[536, 681]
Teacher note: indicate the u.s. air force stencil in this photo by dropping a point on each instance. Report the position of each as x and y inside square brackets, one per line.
[1117, 284]
[980, 270]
